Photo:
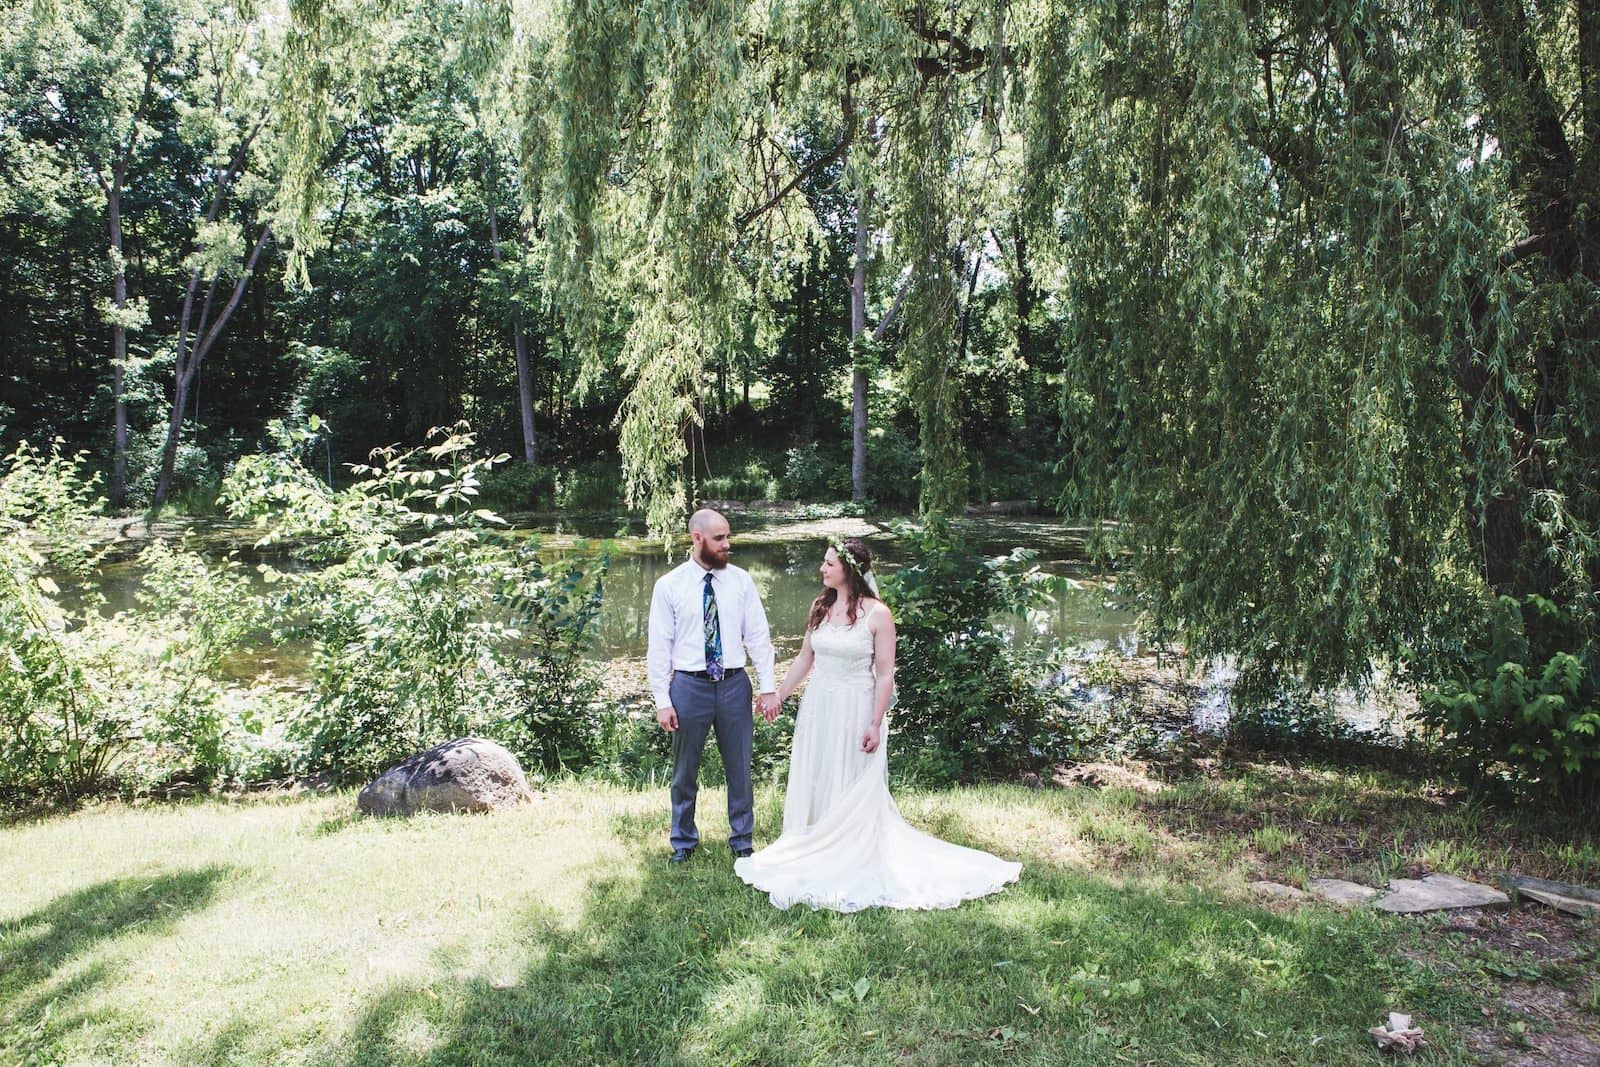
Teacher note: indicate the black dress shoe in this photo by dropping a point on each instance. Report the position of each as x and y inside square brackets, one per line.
[680, 855]
[741, 853]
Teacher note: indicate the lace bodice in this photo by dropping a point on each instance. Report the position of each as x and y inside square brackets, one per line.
[844, 653]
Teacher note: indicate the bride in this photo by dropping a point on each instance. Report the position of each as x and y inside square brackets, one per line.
[844, 844]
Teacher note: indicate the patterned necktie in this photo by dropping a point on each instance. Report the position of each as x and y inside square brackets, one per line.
[713, 625]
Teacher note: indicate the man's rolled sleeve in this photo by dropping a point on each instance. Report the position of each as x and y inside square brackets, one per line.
[758, 640]
[663, 633]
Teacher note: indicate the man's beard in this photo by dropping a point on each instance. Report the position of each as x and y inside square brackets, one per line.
[711, 560]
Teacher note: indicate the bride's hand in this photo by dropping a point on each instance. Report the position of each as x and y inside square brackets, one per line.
[869, 741]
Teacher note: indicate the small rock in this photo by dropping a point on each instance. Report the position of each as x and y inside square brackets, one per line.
[467, 774]
[1279, 890]
[1438, 892]
[1338, 891]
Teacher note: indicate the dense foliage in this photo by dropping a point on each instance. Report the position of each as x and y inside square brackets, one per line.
[1329, 275]
[89, 698]
[1304, 297]
[420, 623]
[969, 703]
[423, 623]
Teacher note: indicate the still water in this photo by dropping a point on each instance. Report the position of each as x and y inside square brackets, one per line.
[786, 574]
[782, 561]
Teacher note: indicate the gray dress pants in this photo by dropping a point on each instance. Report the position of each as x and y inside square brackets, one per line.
[703, 706]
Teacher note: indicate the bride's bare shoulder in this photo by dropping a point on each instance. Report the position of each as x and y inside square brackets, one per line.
[876, 610]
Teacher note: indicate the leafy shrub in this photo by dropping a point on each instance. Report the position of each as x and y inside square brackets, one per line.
[749, 481]
[194, 615]
[425, 623]
[194, 481]
[811, 474]
[639, 752]
[63, 728]
[834, 510]
[894, 467]
[1525, 710]
[89, 700]
[969, 704]
[518, 487]
[589, 486]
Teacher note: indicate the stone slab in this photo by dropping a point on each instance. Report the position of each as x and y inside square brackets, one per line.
[1438, 892]
[1339, 891]
[1573, 899]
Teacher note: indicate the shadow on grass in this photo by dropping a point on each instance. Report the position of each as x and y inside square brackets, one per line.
[38, 989]
[687, 965]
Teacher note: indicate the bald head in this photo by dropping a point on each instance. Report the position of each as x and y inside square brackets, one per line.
[709, 532]
[704, 519]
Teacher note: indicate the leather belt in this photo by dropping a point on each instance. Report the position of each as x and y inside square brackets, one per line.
[727, 673]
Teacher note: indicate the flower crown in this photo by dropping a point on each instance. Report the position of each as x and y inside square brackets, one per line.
[847, 557]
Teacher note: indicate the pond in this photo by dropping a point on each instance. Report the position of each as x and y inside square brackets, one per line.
[786, 574]
[782, 557]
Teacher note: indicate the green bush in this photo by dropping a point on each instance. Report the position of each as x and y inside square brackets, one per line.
[594, 485]
[425, 623]
[894, 467]
[518, 487]
[750, 480]
[809, 473]
[1524, 711]
[63, 727]
[194, 614]
[639, 752]
[89, 700]
[969, 704]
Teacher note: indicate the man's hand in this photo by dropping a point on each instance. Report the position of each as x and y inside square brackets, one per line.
[668, 718]
[767, 704]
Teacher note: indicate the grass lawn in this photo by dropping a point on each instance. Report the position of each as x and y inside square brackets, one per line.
[286, 931]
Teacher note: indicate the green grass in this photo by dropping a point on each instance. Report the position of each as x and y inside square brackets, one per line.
[287, 931]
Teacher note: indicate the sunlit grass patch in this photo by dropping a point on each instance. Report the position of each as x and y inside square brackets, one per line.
[224, 932]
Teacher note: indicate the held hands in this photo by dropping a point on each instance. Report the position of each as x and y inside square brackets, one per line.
[768, 706]
[870, 740]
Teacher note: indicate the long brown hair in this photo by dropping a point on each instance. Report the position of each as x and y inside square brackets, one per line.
[857, 560]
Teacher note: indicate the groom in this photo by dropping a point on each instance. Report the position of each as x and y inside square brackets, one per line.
[705, 617]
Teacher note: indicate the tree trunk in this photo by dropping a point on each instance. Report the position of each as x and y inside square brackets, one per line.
[519, 343]
[119, 331]
[119, 349]
[187, 365]
[858, 375]
[530, 440]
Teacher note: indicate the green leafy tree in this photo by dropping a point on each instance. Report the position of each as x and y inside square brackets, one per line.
[1329, 321]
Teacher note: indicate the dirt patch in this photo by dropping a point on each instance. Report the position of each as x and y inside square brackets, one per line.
[1535, 934]
[1535, 1025]
[1132, 776]
[1534, 970]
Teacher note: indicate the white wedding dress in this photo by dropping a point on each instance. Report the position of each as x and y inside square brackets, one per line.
[844, 844]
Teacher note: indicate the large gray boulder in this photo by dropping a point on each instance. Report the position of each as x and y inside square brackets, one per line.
[467, 774]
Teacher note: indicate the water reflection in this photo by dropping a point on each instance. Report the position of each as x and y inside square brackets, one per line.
[786, 575]
[784, 570]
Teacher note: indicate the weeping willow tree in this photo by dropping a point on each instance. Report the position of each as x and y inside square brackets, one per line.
[1329, 279]
[1325, 278]
[660, 156]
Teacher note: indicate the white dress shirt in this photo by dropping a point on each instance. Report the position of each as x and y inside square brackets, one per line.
[677, 629]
